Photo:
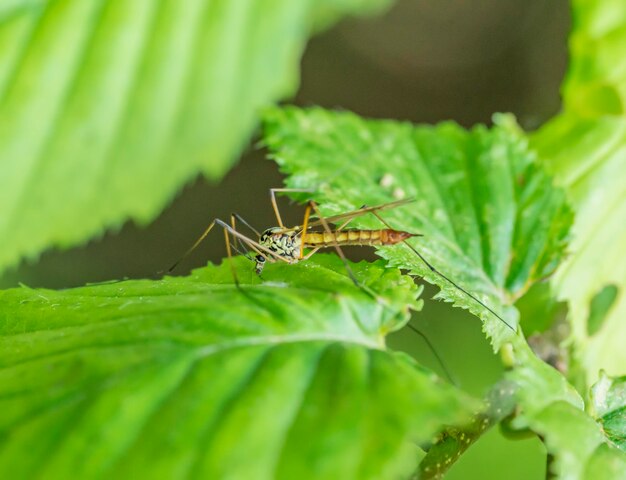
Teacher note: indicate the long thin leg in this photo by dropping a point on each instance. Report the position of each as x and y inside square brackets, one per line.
[303, 236]
[311, 253]
[435, 353]
[273, 192]
[437, 272]
[343, 257]
[243, 251]
[259, 249]
[305, 224]
[242, 220]
[305, 227]
[230, 258]
[193, 247]
[233, 222]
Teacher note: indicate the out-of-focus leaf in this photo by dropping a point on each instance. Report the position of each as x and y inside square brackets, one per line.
[552, 408]
[491, 220]
[585, 148]
[326, 12]
[608, 402]
[107, 107]
[579, 448]
[284, 377]
[499, 404]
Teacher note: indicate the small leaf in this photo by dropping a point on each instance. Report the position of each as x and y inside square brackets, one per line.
[552, 408]
[577, 444]
[192, 377]
[608, 398]
[491, 220]
[108, 107]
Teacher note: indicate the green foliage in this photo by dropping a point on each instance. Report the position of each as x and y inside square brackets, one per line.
[285, 377]
[585, 148]
[490, 218]
[107, 107]
[552, 408]
[288, 376]
[492, 222]
[596, 80]
[608, 404]
[579, 446]
[499, 404]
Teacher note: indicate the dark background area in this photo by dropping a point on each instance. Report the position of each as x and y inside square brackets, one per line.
[423, 61]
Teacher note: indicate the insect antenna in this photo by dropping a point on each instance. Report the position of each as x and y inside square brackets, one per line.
[447, 279]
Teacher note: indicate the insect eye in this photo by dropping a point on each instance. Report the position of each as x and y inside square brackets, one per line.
[260, 258]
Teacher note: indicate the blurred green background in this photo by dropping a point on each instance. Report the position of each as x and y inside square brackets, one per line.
[422, 61]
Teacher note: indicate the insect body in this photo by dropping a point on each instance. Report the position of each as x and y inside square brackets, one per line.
[288, 243]
[384, 236]
[285, 243]
[281, 242]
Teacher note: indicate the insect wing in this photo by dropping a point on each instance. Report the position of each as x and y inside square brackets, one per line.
[357, 213]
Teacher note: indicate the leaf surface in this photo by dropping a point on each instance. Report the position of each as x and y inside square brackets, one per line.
[284, 377]
[608, 397]
[108, 107]
[552, 408]
[585, 149]
[491, 220]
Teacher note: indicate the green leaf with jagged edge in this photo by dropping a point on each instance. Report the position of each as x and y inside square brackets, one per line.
[491, 220]
[608, 405]
[585, 149]
[107, 107]
[285, 377]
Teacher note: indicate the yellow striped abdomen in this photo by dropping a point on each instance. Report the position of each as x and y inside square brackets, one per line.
[384, 236]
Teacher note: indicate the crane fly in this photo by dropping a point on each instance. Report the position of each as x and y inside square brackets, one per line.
[283, 244]
[290, 244]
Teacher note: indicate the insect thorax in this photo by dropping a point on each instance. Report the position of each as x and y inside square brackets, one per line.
[285, 243]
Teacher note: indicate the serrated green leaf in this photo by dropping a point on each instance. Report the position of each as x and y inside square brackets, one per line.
[492, 222]
[284, 377]
[585, 148]
[107, 107]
